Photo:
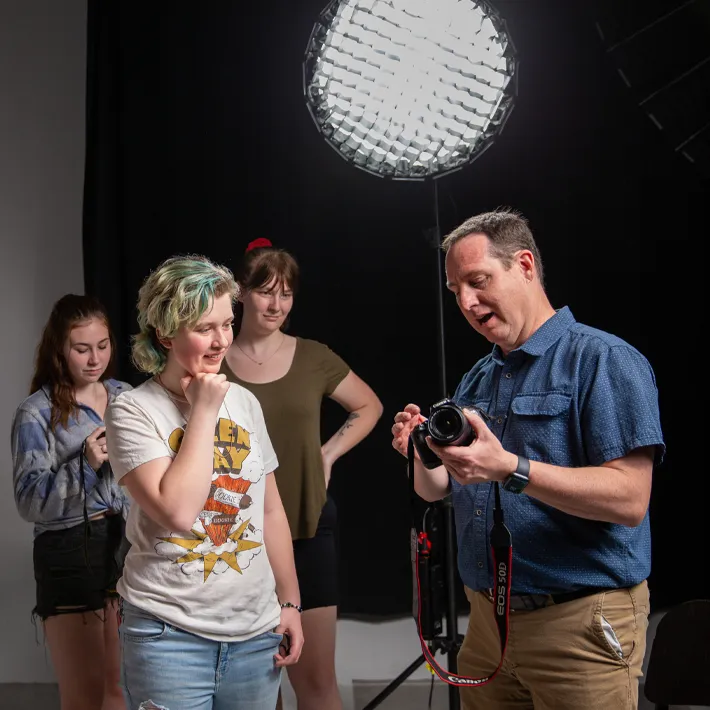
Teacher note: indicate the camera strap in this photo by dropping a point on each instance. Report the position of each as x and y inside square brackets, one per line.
[502, 549]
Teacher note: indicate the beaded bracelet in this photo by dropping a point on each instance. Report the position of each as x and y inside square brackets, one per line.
[288, 605]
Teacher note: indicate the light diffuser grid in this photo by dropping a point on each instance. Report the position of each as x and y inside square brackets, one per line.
[409, 88]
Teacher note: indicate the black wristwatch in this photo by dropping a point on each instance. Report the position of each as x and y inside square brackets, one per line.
[516, 482]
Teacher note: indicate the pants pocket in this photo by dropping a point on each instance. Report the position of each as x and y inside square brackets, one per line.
[138, 626]
[619, 624]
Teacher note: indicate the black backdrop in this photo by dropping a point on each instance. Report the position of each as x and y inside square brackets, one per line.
[198, 140]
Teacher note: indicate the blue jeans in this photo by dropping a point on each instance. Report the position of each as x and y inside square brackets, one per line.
[166, 668]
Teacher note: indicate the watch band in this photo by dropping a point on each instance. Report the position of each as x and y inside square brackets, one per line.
[516, 482]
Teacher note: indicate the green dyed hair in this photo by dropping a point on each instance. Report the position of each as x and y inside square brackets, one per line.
[174, 296]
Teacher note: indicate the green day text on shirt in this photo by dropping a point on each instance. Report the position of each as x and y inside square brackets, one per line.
[214, 580]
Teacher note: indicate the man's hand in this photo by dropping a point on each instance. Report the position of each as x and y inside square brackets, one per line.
[483, 460]
[404, 423]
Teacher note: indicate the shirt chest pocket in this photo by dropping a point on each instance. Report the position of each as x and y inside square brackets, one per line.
[540, 426]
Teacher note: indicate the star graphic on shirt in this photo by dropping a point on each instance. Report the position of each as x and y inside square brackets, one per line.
[211, 558]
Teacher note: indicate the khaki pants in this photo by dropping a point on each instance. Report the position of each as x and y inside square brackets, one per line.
[584, 654]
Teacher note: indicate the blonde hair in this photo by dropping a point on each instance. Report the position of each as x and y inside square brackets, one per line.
[174, 296]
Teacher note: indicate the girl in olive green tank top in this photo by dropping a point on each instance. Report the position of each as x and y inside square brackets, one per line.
[290, 377]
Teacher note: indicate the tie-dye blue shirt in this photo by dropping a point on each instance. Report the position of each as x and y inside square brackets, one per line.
[47, 478]
[570, 396]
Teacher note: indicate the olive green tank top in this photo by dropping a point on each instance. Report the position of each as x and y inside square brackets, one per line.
[292, 407]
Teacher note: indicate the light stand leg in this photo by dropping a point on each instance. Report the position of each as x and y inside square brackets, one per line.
[395, 683]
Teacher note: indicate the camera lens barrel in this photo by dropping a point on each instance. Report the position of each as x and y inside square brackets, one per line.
[448, 426]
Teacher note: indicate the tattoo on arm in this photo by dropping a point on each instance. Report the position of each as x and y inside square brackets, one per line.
[348, 422]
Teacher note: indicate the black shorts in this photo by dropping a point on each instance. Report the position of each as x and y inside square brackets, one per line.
[316, 562]
[76, 569]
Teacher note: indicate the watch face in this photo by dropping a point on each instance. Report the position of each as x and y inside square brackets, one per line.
[515, 483]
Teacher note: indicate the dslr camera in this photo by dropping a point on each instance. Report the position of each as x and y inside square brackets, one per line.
[447, 426]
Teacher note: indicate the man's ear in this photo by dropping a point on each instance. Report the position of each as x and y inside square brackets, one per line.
[526, 261]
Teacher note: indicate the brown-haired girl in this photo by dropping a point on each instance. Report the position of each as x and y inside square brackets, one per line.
[63, 484]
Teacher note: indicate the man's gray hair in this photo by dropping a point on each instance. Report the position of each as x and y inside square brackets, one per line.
[508, 233]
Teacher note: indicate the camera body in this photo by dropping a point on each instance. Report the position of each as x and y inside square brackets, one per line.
[447, 426]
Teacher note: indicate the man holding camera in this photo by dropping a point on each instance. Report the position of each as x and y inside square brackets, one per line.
[572, 438]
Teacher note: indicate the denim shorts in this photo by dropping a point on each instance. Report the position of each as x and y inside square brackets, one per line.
[76, 569]
[166, 668]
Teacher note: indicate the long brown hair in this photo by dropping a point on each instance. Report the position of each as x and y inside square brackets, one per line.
[51, 369]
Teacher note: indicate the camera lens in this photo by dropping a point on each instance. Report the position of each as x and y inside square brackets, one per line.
[446, 425]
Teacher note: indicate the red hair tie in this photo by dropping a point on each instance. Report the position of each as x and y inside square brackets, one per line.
[258, 244]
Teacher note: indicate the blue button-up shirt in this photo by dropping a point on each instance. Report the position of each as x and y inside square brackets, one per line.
[570, 396]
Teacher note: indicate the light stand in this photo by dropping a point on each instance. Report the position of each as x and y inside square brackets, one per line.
[444, 511]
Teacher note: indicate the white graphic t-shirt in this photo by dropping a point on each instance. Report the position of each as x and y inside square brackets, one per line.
[215, 579]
